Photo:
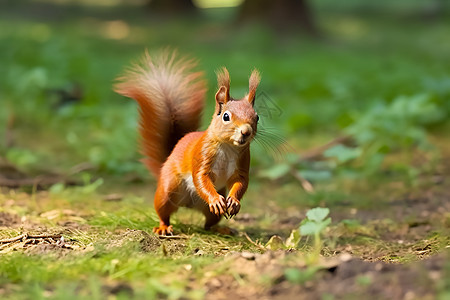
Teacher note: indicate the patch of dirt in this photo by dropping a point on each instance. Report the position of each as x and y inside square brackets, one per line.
[375, 280]
[345, 278]
[246, 266]
[119, 288]
[48, 248]
[67, 218]
[9, 220]
[150, 242]
[173, 247]
[147, 242]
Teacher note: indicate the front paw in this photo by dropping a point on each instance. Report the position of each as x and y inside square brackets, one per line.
[218, 206]
[233, 206]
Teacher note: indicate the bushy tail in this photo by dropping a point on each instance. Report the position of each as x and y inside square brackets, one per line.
[171, 96]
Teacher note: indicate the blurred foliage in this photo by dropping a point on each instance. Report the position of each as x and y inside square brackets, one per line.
[380, 79]
[378, 74]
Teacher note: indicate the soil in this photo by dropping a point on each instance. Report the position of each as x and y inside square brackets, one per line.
[349, 278]
[371, 280]
[9, 220]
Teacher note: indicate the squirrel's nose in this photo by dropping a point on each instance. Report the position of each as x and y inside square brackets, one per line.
[246, 130]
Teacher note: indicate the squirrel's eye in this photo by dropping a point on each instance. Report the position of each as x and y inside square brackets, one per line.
[226, 117]
[257, 118]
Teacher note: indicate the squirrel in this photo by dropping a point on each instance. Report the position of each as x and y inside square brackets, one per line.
[194, 169]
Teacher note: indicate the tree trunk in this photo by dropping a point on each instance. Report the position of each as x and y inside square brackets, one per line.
[172, 6]
[283, 15]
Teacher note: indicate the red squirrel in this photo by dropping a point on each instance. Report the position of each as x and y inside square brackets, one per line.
[194, 168]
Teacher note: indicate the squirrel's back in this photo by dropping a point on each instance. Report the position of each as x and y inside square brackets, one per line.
[171, 98]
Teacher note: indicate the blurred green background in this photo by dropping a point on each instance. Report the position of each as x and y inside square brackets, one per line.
[375, 71]
[354, 106]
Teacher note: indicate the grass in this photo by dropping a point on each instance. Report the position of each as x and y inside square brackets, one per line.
[392, 212]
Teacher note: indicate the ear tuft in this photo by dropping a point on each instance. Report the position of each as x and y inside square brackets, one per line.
[223, 78]
[253, 83]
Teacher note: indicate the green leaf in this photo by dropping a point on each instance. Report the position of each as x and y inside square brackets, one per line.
[57, 188]
[322, 225]
[92, 187]
[309, 228]
[275, 243]
[293, 239]
[300, 276]
[342, 153]
[316, 175]
[293, 275]
[312, 227]
[318, 214]
[275, 172]
[22, 157]
[350, 223]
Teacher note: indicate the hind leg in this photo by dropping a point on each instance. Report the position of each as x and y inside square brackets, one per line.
[165, 205]
[210, 219]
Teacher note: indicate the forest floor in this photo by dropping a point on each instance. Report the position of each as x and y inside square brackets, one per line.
[82, 240]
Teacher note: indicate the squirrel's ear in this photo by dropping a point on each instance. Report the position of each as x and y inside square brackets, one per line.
[222, 97]
[223, 94]
[253, 83]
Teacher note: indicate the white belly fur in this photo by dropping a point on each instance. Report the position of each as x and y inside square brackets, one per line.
[223, 167]
[189, 182]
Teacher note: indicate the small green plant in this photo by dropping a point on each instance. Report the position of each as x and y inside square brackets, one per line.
[315, 223]
[300, 276]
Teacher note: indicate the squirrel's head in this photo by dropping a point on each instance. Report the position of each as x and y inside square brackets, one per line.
[235, 120]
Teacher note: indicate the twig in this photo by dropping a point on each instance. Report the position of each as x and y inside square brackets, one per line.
[11, 176]
[34, 239]
[318, 152]
[254, 243]
[85, 166]
[14, 239]
[306, 185]
[40, 181]
[45, 236]
[169, 237]
[26, 236]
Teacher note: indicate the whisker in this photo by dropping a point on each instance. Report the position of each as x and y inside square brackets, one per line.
[273, 142]
[271, 147]
[263, 144]
[272, 137]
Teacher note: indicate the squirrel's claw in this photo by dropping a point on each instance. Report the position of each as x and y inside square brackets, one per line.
[163, 230]
[218, 206]
[233, 206]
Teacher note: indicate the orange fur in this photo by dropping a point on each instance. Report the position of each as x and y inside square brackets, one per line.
[253, 83]
[194, 169]
[171, 99]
